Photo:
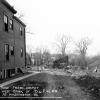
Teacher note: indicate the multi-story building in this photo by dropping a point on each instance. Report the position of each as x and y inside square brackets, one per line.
[12, 41]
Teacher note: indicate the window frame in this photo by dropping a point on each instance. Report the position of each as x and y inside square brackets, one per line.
[21, 32]
[6, 50]
[6, 24]
[21, 52]
[12, 51]
[11, 24]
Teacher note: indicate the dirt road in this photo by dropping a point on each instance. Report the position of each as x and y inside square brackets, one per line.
[60, 87]
[65, 87]
[54, 86]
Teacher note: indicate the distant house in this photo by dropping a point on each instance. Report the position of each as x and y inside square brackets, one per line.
[37, 59]
[28, 60]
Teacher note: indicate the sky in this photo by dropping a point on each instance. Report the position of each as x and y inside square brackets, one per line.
[48, 19]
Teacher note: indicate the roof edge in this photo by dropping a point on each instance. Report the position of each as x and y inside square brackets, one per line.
[16, 18]
[9, 6]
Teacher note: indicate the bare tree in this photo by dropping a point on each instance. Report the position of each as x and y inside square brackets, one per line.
[62, 44]
[38, 57]
[21, 16]
[82, 47]
[46, 56]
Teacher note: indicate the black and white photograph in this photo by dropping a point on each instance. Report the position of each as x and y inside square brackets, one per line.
[49, 49]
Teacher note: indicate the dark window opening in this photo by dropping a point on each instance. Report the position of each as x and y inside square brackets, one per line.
[24, 30]
[21, 31]
[21, 52]
[7, 52]
[11, 24]
[6, 23]
[12, 50]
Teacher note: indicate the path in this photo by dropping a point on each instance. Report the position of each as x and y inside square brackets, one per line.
[17, 79]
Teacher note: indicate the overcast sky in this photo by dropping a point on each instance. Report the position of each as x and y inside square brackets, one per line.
[48, 18]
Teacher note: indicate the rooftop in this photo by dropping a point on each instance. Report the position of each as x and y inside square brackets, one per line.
[9, 6]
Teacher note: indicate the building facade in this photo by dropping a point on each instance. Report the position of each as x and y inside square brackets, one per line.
[12, 41]
[37, 59]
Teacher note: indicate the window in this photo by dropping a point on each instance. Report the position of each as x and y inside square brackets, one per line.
[21, 31]
[21, 52]
[24, 30]
[6, 23]
[11, 24]
[7, 52]
[12, 50]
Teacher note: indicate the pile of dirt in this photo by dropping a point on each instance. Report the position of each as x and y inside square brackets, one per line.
[90, 85]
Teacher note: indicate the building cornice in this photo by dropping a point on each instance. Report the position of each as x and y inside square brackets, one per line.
[9, 6]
